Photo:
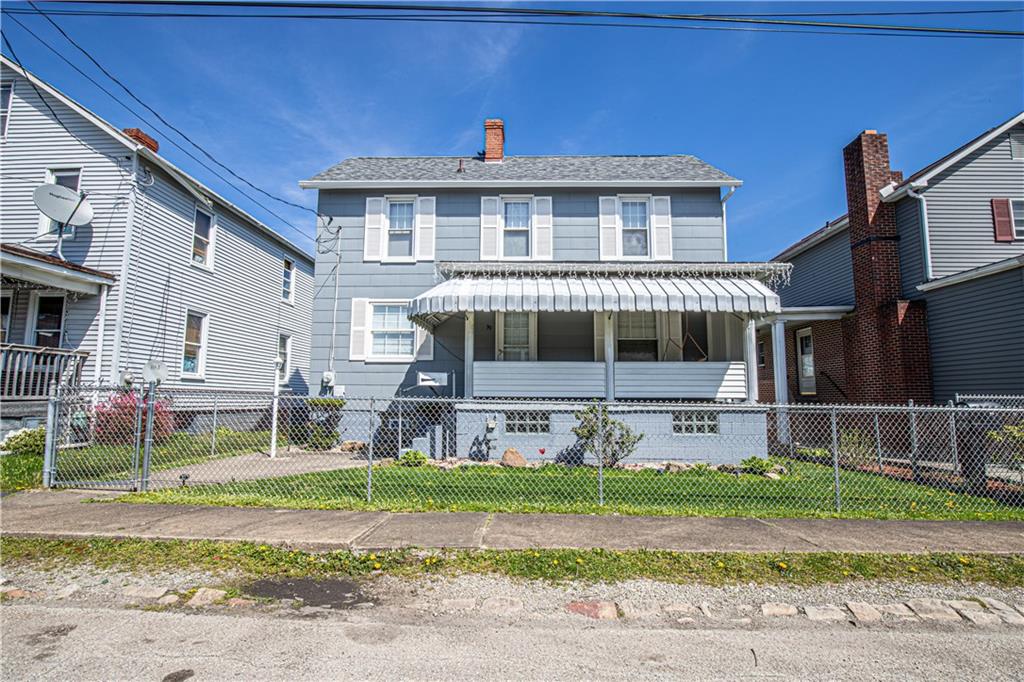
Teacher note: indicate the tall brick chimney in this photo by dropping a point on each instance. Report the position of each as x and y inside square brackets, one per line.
[494, 139]
[142, 138]
[886, 339]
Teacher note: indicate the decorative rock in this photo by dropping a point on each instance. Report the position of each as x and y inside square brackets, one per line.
[513, 458]
[982, 618]
[681, 608]
[144, 592]
[864, 612]
[501, 606]
[598, 610]
[1004, 611]
[777, 610]
[729, 468]
[237, 602]
[933, 610]
[778, 469]
[898, 610]
[14, 593]
[351, 446]
[825, 613]
[632, 610]
[677, 467]
[467, 604]
[962, 605]
[66, 591]
[205, 596]
[168, 600]
[773, 476]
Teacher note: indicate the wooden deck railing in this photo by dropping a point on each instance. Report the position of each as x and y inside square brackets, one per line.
[26, 372]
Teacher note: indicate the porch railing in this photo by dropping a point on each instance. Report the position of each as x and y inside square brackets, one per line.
[27, 372]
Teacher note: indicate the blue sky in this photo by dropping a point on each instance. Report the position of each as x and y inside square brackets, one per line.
[280, 101]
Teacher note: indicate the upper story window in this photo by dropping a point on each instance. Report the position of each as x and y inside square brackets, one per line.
[6, 92]
[1017, 213]
[634, 215]
[391, 332]
[401, 227]
[193, 359]
[515, 233]
[1017, 144]
[65, 177]
[288, 278]
[202, 238]
[517, 228]
[635, 227]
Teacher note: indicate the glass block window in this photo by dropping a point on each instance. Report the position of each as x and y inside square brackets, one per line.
[527, 421]
[693, 422]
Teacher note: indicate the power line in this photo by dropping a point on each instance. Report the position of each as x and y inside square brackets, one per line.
[535, 11]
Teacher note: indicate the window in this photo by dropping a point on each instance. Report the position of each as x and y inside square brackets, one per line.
[202, 239]
[47, 321]
[1017, 216]
[515, 234]
[66, 177]
[693, 422]
[526, 421]
[1017, 144]
[6, 90]
[5, 317]
[401, 225]
[760, 354]
[515, 336]
[286, 283]
[391, 332]
[637, 336]
[635, 223]
[284, 346]
[193, 361]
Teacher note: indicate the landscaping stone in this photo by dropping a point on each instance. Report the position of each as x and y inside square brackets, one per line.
[778, 469]
[981, 618]
[1004, 611]
[351, 446]
[205, 596]
[240, 602]
[501, 606]
[772, 476]
[66, 591]
[681, 608]
[632, 610]
[676, 467]
[14, 593]
[828, 612]
[899, 610]
[728, 468]
[513, 458]
[144, 592]
[168, 600]
[777, 610]
[962, 605]
[934, 610]
[467, 604]
[864, 612]
[598, 610]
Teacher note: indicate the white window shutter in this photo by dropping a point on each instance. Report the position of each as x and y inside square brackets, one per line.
[599, 336]
[543, 229]
[489, 228]
[424, 344]
[661, 224]
[358, 331]
[426, 228]
[608, 224]
[373, 230]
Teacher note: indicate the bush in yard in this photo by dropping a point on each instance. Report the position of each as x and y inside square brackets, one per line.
[1011, 437]
[758, 466]
[25, 442]
[857, 448]
[319, 437]
[115, 420]
[412, 458]
[813, 454]
[618, 441]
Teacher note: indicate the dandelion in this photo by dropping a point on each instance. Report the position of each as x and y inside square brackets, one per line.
[554, 562]
[720, 564]
[373, 557]
[965, 561]
[783, 565]
[376, 566]
[912, 569]
[579, 561]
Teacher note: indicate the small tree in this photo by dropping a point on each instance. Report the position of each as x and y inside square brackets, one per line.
[604, 437]
[1012, 455]
[115, 420]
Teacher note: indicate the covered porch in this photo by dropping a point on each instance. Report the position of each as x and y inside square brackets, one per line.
[610, 331]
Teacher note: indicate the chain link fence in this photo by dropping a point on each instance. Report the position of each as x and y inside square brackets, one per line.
[590, 457]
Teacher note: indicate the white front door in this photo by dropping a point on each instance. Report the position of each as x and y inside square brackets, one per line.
[805, 362]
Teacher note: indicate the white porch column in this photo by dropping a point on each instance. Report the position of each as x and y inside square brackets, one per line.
[467, 354]
[609, 355]
[779, 375]
[750, 358]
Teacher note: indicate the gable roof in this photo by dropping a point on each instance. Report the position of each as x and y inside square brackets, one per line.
[536, 171]
[830, 229]
[192, 185]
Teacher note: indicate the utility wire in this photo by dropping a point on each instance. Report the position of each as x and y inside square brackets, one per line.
[536, 11]
[154, 126]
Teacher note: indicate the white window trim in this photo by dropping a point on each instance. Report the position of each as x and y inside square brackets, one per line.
[515, 198]
[499, 337]
[10, 109]
[33, 312]
[43, 232]
[203, 347]
[1018, 229]
[386, 228]
[291, 289]
[386, 359]
[211, 247]
[287, 358]
[647, 198]
[7, 327]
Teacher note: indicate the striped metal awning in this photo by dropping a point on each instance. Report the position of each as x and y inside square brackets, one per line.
[591, 294]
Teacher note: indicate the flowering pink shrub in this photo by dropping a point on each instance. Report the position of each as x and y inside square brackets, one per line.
[115, 420]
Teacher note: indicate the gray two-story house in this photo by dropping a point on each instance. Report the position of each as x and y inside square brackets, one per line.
[167, 269]
[534, 277]
[918, 291]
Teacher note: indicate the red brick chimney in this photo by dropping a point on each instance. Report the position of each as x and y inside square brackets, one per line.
[886, 338]
[142, 138]
[494, 139]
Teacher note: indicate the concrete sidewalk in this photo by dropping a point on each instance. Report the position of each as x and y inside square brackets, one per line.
[65, 514]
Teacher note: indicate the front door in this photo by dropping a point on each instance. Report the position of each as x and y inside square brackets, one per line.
[805, 362]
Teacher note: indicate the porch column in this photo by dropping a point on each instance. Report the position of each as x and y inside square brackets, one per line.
[779, 375]
[467, 354]
[609, 355]
[750, 358]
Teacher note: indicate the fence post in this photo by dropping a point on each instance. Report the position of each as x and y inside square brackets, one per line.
[148, 448]
[137, 450]
[213, 432]
[602, 413]
[878, 444]
[398, 450]
[273, 418]
[369, 454]
[50, 446]
[952, 438]
[835, 462]
[915, 466]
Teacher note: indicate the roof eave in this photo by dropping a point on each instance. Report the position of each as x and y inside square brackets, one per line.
[811, 241]
[471, 184]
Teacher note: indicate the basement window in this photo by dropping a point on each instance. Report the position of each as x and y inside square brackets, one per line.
[693, 422]
[527, 421]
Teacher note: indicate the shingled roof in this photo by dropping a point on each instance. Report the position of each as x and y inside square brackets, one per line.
[521, 170]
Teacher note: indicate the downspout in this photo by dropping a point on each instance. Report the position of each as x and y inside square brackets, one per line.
[725, 235]
[925, 240]
[122, 294]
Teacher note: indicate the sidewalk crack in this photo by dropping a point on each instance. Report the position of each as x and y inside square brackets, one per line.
[354, 543]
[478, 536]
[786, 531]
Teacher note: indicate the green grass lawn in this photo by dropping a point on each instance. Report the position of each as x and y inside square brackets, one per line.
[806, 491]
[20, 472]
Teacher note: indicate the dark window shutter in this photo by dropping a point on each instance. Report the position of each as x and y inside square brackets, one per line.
[1001, 220]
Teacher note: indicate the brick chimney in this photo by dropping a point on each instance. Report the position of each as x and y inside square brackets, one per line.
[142, 138]
[886, 338]
[494, 140]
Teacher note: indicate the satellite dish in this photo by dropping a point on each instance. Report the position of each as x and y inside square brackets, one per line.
[63, 204]
[154, 371]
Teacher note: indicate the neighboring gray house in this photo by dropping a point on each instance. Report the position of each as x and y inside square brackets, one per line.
[167, 268]
[512, 277]
[918, 292]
